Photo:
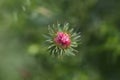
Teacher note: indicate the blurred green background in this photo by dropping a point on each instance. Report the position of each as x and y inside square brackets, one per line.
[23, 54]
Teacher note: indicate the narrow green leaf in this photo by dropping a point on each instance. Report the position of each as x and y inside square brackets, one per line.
[47, 37]
[58, 26]
[77, 37]
[50, 30]
[49, 40]
[51, 46]
[73, 35]
[71, 30]
[66, 27]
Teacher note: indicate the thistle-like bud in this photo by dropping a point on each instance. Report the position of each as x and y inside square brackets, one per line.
[62, 40]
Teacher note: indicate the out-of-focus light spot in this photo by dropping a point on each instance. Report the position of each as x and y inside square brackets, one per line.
[28, 2]
[44, 11]
[23, 8]
[15, 15]
[33, 49]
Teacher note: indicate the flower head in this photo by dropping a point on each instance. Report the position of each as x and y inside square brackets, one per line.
[62, 41]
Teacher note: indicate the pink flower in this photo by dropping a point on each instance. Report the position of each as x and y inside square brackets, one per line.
[62, 39]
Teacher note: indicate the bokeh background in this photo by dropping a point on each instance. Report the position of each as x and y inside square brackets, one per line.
[23, 54]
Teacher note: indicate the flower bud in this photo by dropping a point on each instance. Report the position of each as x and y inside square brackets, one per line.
[62, 39]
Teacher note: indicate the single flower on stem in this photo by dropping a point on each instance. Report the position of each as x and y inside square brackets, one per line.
[62, 40]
